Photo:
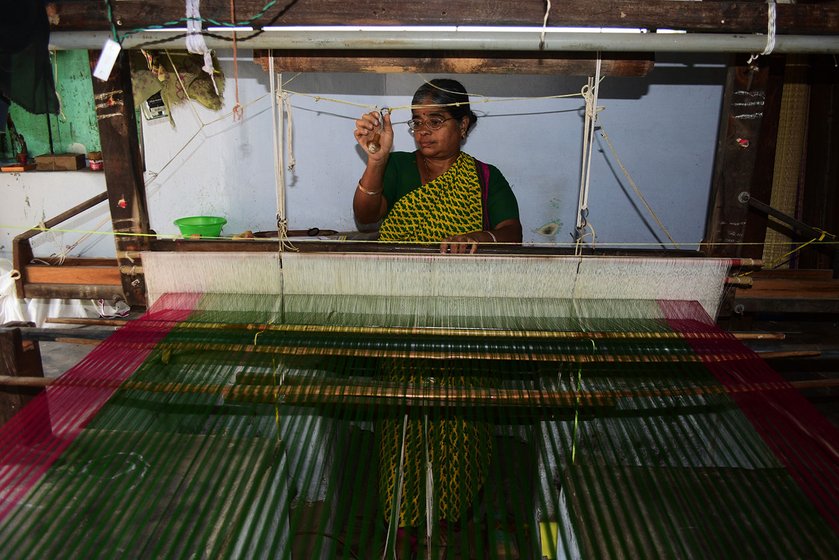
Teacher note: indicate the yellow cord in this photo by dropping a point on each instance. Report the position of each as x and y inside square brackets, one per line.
[635, 187]
[783, 257]
[577, 407]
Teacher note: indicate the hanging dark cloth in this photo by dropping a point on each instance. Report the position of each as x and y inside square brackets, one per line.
[25, 69]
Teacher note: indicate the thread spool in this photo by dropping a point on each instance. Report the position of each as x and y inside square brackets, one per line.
[374, 145]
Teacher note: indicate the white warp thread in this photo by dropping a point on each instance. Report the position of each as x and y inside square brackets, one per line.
[519, 278]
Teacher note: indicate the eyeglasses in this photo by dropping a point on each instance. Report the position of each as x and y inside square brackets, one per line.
[434, 123]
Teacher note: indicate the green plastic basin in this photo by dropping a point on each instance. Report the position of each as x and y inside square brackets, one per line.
[205, 226]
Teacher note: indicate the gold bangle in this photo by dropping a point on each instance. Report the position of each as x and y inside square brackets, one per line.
[494, 239]
[368, 193]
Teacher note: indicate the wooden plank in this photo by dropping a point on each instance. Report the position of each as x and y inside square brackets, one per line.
[73, 291]
[796, 306]
[40, 274]
[59, 334]
[799, 274]
[87, 261]
[721, 17]
[123, 172]
[336, 246]
[459, 62]
[790, 289]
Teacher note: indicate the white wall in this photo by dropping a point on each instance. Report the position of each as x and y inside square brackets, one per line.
[663, 126]
[28, 198]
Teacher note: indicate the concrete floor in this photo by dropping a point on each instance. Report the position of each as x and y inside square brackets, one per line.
[58, 357]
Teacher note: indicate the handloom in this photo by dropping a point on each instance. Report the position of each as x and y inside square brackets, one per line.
[240, 417]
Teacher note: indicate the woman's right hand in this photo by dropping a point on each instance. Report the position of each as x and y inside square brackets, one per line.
[372, 128]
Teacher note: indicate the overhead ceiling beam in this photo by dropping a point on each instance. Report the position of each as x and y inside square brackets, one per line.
[458, 62]
[708, 16]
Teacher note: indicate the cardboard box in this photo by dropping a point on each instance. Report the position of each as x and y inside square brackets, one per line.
[60, 162]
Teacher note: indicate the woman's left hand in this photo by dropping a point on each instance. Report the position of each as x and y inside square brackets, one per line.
[464, 242]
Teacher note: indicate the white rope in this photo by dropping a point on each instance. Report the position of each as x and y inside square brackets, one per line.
[278, 96]
[61, 116]
[64, 253]
[279, 169]
[581, 237]
[590, 93]
[771, 28]
[636, 189]
[289, 144]
[394, 516]
[544, 25]
[55, 238]
[392, 108]
[195, 40]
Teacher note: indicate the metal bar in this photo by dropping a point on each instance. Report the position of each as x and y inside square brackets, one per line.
[448, 38]
[102, 329]
[799, 226]
[292, 392]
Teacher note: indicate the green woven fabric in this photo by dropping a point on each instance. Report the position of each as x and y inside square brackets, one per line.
[223, 444]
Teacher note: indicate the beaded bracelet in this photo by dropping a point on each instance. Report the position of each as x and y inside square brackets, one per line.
[365, 191]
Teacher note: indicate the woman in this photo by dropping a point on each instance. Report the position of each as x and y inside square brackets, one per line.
[436, 194]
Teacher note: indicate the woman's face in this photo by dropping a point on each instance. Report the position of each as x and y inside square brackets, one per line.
[443, 142]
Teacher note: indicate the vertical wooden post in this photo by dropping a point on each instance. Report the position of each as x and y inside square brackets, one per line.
[123, 173]
[745, 159]
[17, 359]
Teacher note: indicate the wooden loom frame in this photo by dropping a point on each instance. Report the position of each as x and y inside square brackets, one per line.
[736, 169]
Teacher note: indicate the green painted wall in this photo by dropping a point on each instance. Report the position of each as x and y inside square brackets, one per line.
[77, 123]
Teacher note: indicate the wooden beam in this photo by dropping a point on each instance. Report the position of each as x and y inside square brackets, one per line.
[458, 62]
[123, 173]
[744, 158]
[811, 292]
[763, 174]
[720, 17]
[791, 289]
